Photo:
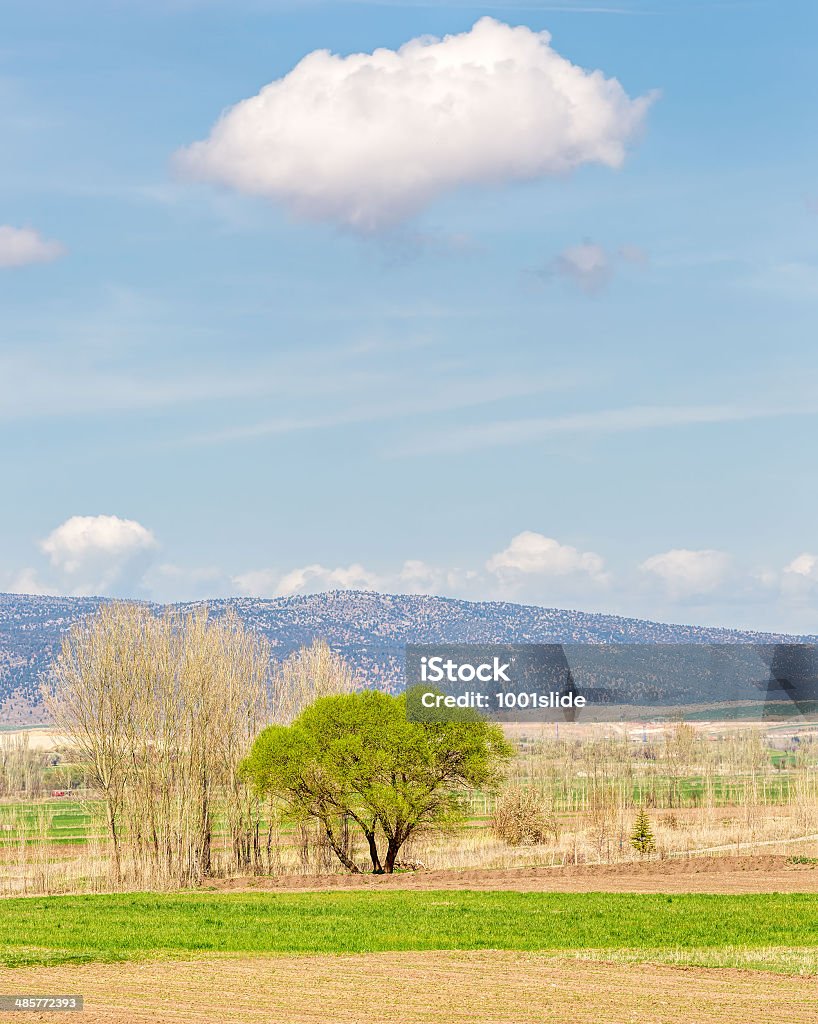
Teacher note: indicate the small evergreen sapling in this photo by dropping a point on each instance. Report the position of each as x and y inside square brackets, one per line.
[642, 836]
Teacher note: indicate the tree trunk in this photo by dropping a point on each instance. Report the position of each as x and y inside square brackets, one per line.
[377, 868]
[114, 840]
[391, 855]
[206, 850]
[206, 837]
[339, 851]
[270, 847]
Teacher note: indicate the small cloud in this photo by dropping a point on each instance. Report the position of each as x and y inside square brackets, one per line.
[804, 565]
[368, 140]
[591, 267]
[96, 554]
[798, 580]
[22, 246]
[531, 553]
[306, 580]
[588, 266]
[28, 582]
[686, 573]
[634, 254]
[414, 577]
[417, 577]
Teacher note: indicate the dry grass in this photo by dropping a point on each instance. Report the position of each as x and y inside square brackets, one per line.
[421, 988]
[715, 791]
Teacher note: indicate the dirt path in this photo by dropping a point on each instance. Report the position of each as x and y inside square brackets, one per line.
[707, 874]
[756, 845]
[416, 988]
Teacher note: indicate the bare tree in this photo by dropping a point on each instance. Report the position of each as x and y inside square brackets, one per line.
[309, 673]
[23, 770]
[163, 708]
[96, 681]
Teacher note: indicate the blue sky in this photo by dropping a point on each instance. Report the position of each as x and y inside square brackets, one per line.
[592, 389]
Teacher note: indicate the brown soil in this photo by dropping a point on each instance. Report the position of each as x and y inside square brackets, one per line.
[484, 987]
[710, 874]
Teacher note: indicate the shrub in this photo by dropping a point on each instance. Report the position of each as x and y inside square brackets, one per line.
[522, 818]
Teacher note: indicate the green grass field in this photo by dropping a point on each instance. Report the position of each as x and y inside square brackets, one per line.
[67, 821]
[686, 791]
[79, 929]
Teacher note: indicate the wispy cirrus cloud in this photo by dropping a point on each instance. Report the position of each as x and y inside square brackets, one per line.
[460, 393]
[606, 421]
[531, 5]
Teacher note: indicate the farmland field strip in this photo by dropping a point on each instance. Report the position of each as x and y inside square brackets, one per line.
[55, 929]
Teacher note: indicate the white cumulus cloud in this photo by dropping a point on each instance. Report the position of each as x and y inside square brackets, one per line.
[798, 581]
[305, 580]
[531, 553]
[96, 554]
[21, 246]
[27, 581]
[686, 573]
[804, 565]
[418, 577]
[413, 577]
[370, 139]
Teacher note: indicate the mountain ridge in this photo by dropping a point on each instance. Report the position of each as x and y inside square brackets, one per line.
[369, 628]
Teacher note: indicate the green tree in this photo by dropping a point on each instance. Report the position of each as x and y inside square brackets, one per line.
[642, 835]
[357, 758]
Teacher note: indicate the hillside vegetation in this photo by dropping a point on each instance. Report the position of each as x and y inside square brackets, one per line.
[370, 630]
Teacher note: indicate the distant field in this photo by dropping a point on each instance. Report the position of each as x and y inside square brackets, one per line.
[64, 821]
[721, 789]
[710, 929]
